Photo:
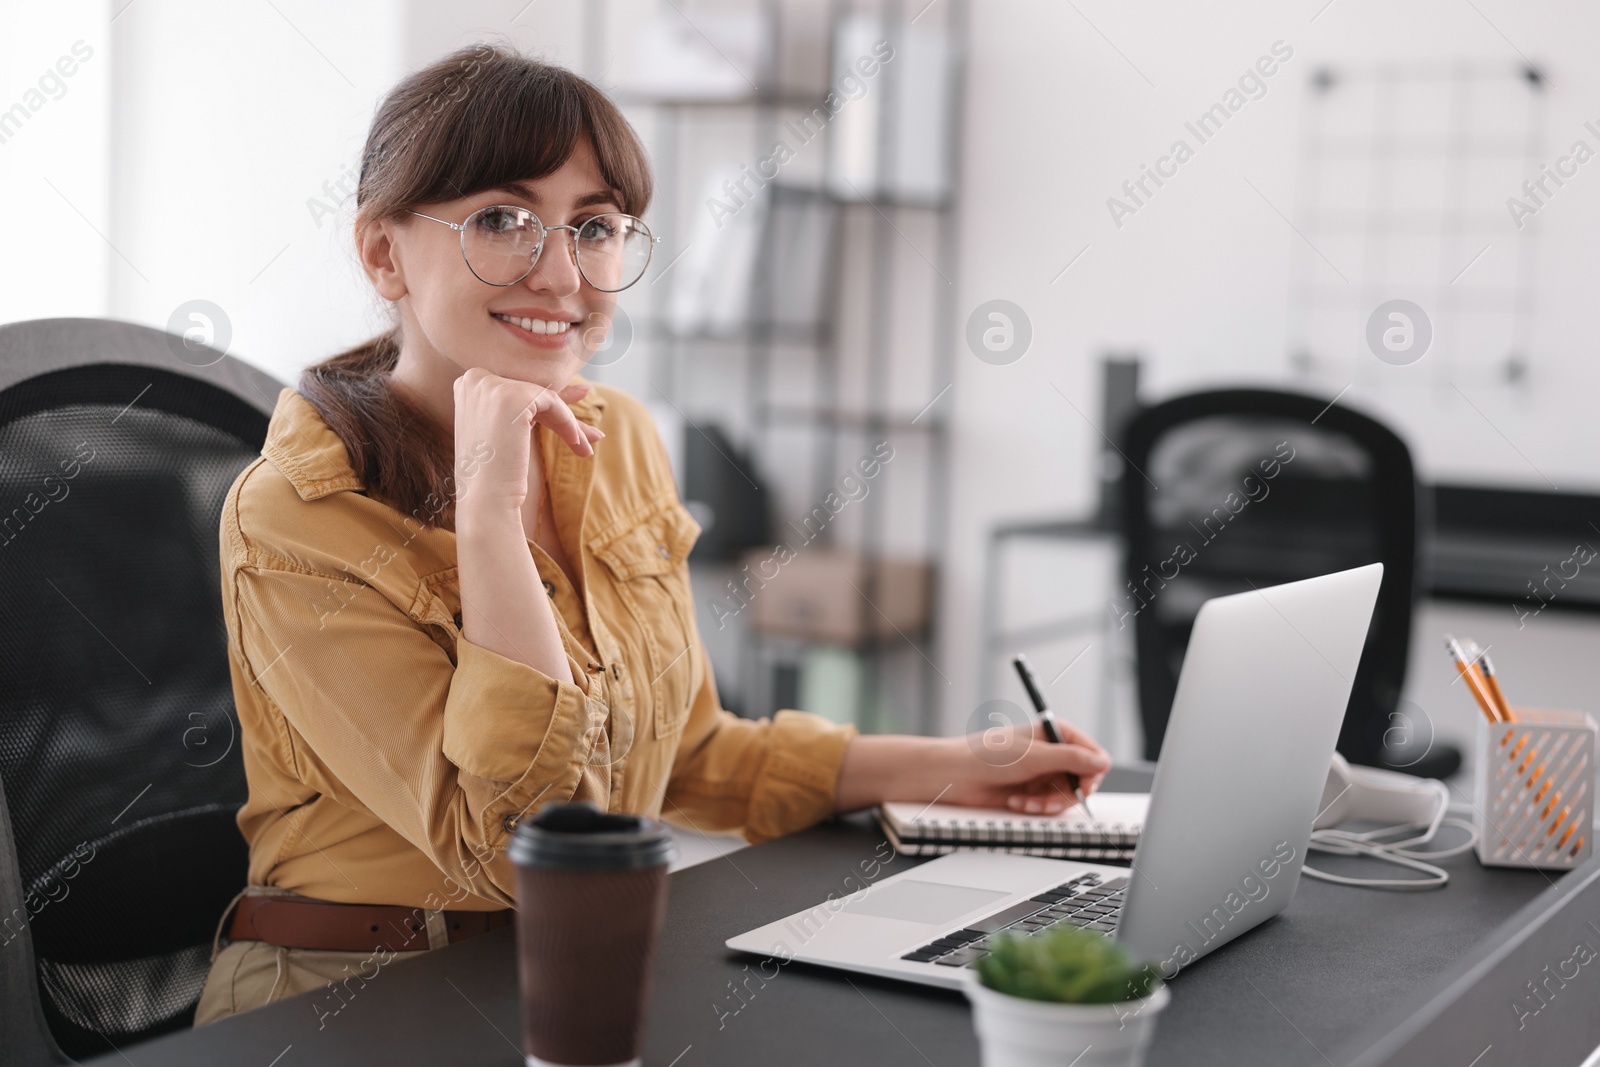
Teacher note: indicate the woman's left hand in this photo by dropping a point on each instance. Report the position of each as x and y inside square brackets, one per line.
[1006, 767]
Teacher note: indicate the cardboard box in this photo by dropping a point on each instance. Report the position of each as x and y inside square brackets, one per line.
[820, 595]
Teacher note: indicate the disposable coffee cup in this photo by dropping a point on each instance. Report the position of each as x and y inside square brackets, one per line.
[591, 900]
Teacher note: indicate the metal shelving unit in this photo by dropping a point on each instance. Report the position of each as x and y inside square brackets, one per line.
[834, 431]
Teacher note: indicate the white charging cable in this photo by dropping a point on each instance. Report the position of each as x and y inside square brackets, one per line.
[1365, 788]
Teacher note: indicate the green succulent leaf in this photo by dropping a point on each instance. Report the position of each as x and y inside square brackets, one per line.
[1066, 965]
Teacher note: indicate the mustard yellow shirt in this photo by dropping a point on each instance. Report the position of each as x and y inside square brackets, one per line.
[388, 757]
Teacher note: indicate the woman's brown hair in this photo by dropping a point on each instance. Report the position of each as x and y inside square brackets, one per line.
[477, 119]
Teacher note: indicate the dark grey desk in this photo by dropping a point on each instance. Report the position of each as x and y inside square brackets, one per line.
[1315, 986]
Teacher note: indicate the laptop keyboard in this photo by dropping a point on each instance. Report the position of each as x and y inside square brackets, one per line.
[1085, 901]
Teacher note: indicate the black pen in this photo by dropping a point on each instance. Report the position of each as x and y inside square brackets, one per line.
[1031, 684]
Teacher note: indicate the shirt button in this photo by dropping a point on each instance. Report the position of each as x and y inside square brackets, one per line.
[510, 823]
[661, 550]
[550, 588]
[616, 670]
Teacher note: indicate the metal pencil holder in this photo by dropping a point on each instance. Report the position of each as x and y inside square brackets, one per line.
[1535, 789]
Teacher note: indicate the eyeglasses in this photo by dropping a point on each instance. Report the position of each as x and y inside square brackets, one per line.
[501, 244]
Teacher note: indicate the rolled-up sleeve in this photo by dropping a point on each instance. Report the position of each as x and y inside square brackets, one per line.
[762, 777]
[375, 713]
[503, 718]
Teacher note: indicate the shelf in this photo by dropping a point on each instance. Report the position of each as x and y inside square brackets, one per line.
[910, 641]
[783, 333]
[822, 192]
[893, 203]
[1052, 528]
[852, 419]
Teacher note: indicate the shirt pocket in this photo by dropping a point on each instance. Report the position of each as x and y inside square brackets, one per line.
[431, 608]
[647, 565]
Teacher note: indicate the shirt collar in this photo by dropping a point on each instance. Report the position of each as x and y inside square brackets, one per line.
[313, 458]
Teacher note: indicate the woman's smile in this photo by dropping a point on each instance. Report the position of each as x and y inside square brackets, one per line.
[541, 329]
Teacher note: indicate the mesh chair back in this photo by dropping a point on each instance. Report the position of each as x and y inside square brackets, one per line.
[118, 741]
[1241, 488]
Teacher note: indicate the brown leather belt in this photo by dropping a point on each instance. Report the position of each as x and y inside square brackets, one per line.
[301, 922]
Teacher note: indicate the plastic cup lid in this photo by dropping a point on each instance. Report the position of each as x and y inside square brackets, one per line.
[579, 836]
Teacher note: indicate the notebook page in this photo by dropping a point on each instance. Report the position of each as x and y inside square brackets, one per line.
[1113, 812]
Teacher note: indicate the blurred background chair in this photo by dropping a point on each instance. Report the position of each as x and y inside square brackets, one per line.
[118, 741]
[1232, 489]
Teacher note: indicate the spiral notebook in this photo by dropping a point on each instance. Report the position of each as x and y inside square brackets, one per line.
[934, 829]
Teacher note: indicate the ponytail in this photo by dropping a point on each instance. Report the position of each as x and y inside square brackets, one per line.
[401, 453]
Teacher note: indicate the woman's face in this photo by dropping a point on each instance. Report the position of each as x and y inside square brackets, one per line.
[448, 314]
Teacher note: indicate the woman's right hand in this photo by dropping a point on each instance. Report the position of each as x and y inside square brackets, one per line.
[494, 437]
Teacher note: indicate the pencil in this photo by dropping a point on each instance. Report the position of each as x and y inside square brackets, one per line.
[1470, 675]
[1492, 681]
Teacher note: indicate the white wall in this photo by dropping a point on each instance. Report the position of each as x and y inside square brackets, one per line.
[229, 120]
[55, 113]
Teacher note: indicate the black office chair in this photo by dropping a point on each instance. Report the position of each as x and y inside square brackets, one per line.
[119, 754]
[1346, 496]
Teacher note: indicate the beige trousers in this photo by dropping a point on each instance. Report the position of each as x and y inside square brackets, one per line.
[252, 974]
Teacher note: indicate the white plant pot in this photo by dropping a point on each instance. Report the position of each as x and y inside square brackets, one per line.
[1018, 1032]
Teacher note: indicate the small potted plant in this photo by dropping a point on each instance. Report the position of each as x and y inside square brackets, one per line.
[1066, 996]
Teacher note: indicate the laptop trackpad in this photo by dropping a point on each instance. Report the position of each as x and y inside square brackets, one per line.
[921, 902]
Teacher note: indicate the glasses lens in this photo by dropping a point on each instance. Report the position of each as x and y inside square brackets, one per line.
[500, 243]
[613, 251]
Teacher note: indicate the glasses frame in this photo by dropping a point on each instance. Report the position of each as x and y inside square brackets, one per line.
[544, 232]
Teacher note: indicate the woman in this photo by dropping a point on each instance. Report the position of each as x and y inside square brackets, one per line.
[455, 581]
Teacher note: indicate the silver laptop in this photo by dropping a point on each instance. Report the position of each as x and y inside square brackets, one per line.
[1259, 702]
